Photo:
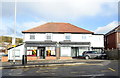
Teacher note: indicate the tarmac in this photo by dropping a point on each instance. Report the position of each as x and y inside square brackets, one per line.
[49, 63]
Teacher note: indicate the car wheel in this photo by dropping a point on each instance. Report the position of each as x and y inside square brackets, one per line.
[86, 57]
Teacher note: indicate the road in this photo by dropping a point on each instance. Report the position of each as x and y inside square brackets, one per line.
[107, 68]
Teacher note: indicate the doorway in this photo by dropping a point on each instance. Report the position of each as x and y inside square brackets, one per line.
[41, 52]
[75, 51]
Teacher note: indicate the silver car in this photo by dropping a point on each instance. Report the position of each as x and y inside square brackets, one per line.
[93, 54]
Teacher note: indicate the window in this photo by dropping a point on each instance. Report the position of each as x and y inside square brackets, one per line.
[49, 36]
[32, 36]
[32, 52]
[67, 36]
[83, 37]
[50, 51]
[17, 53]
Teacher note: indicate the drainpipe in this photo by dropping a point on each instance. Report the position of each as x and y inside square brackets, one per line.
[57, 51]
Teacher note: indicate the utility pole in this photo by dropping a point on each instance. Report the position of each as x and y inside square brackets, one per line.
[14, 38]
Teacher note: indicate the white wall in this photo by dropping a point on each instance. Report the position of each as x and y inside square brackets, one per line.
[19, 48]
[96, 40]
[38, 37]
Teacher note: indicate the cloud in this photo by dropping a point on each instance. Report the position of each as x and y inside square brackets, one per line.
[65, 9]
[8, 29]
[107, 28]
[29, 25]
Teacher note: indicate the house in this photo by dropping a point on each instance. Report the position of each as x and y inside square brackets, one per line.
[18, 52]
[112, 39]
[59, 41]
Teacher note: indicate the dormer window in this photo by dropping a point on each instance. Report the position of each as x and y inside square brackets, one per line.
[32, 36]
[48, 36]
[67, 36]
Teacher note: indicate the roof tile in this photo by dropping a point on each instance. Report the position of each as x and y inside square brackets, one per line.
[57, 27]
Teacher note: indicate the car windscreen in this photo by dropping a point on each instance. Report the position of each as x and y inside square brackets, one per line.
[92, 52]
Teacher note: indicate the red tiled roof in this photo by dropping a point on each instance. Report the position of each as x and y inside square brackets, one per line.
[57, 27]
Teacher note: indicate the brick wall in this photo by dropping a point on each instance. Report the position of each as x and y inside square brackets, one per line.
[111, 41]
[65, 58]
[4, 58]
[50, 58]
[29, 58]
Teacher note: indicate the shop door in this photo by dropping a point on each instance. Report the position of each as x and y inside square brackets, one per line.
[75, 51]
[42, 52]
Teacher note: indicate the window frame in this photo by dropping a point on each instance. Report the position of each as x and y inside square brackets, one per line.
[48, 35]
[32, 36]
[69, 35]
[17, 53]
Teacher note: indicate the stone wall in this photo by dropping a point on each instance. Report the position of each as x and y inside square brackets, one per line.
[113, 54]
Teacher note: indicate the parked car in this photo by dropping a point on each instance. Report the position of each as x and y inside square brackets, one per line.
[94, 54]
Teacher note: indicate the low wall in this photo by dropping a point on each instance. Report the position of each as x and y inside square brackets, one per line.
[113, 54]
[29, 58]
[50, 58]
[65, 58]
[4, 58]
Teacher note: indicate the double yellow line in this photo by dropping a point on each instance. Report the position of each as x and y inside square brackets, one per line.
[111, 69]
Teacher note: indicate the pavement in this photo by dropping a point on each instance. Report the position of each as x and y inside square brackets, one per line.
[50, 63]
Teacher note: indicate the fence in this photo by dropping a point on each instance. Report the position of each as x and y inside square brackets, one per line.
[113, 54]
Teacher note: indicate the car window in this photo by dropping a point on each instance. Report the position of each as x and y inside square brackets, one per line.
[91, 52]
[94, 51]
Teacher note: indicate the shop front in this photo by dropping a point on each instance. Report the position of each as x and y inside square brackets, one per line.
[74, 49]
[41, 50]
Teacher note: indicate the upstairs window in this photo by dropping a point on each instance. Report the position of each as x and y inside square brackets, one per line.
[83, 37]
[67, 36]
[49, 36]
[32, 37]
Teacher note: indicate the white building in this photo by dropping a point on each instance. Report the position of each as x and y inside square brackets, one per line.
[60, 41]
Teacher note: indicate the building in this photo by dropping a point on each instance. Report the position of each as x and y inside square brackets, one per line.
[19, 51]
[60, 41]
[112, 38]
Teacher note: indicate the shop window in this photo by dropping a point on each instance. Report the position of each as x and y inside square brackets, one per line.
[32, 52]
[50, 51]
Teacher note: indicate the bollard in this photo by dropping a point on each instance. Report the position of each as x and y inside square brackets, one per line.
[24, 59]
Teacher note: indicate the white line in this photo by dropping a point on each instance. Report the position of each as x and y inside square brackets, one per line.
[93, 75]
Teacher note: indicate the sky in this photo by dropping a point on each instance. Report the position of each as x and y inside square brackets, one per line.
[98, 16]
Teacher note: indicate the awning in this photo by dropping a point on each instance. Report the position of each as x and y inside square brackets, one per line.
[75, 44]
[39, 43]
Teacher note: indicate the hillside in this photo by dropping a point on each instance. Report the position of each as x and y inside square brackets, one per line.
[9, 39]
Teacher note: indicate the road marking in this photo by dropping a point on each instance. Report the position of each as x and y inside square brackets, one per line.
[1, 68]
[52, 68]
[93, 75]
[111, 69]
[92, 64]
